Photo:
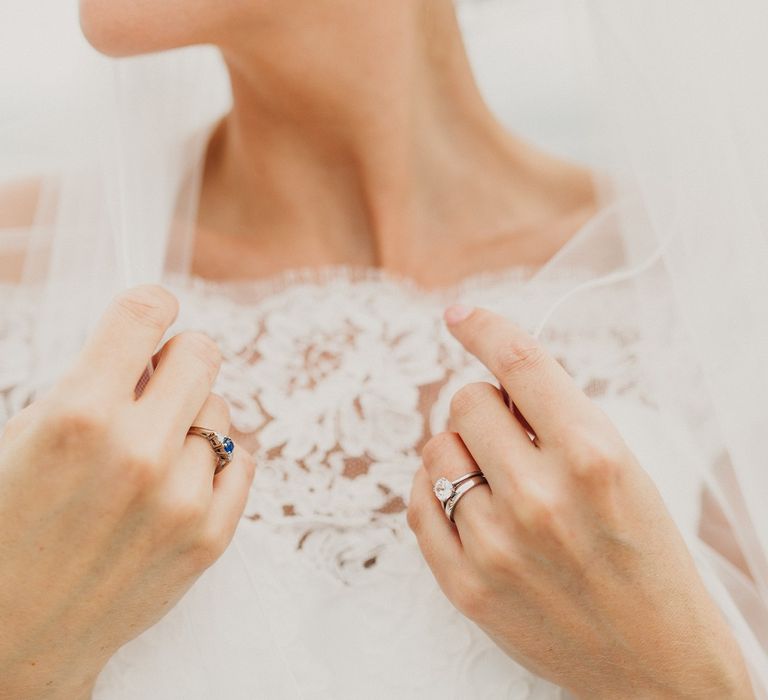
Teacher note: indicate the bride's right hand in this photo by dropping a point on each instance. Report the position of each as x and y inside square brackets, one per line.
[108, 510]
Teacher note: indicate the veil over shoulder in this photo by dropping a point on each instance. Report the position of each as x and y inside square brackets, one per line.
[673, 113]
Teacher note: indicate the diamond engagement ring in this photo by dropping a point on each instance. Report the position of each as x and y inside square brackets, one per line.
[445, 489]
[222, 445]
[461, 490]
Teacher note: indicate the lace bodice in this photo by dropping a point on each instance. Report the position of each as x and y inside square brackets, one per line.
[336, 379]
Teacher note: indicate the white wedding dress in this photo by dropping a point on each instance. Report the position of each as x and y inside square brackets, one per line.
[336, 379]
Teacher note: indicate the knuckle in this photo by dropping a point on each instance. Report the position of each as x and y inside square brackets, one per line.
[470, 599]
[516, 357]
[187, 512]
[467, 399]
[417, 502]
[202, 348]
[149, 305]
[595, 458]
[180, 511]
[250, 466]
[76, 423]
[492, 557]
[440, 449]
[538, 509]
[413, 516]
[601, 471]
[483, 321]
[143, 470]
[538, 515]
[219, 406]
[208, 548]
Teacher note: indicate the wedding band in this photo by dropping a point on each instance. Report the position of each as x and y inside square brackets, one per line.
[222, 445]
[461, 491]
[445, 489]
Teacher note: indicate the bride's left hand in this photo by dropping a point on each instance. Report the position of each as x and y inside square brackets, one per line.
[568, 557]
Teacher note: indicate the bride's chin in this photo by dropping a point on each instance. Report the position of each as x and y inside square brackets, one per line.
[127, 28]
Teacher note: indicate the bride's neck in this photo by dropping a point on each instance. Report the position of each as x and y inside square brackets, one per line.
[363, 139]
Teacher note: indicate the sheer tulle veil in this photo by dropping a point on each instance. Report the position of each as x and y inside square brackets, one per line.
[677, 102]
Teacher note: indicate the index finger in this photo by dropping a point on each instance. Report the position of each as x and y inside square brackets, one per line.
[537, 384]
[118, 351]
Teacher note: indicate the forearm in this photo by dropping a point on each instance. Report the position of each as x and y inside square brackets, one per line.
[43, 678]
[719, 677]
[45, 688]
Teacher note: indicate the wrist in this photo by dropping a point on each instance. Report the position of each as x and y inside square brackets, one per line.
[722, 682]
[49, 689]
[40, 682]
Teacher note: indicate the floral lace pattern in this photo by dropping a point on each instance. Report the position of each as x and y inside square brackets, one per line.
[337, 379]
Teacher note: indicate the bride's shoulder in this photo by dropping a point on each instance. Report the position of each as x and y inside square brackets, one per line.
[18, 204]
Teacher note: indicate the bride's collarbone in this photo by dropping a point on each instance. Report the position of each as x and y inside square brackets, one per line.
[429, 262]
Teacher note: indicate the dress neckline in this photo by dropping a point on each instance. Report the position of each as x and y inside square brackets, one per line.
[361, 274]
[357, 275]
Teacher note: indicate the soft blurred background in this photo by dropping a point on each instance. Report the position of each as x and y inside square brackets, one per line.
[523, 52]
[41, 51]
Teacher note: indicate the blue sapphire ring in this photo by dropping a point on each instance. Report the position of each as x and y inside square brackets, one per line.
[222, 445]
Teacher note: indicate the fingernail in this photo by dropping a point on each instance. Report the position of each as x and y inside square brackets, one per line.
[457, 313]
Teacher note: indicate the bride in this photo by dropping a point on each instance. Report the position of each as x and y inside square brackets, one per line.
[356, 187]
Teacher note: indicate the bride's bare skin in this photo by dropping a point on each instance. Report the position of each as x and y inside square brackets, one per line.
[18, 204]
[358, 136]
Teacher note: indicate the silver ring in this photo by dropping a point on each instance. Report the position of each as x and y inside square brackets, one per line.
[222, 445]
[444, 489]
[461, 491]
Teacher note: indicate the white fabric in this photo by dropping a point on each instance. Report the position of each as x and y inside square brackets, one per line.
[669, 101]
[336, 378]
[686, 109]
